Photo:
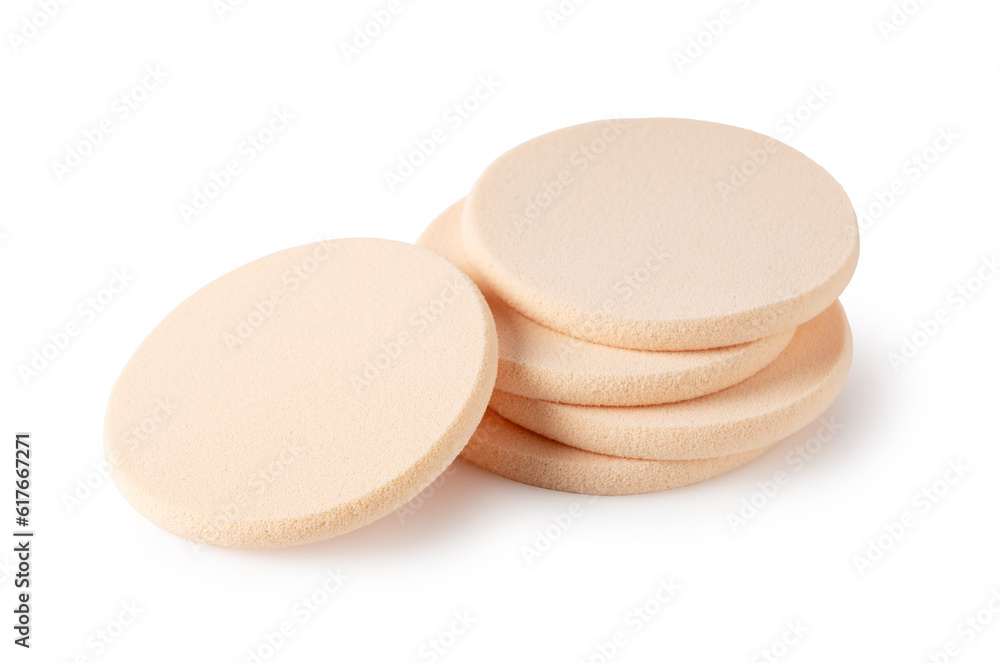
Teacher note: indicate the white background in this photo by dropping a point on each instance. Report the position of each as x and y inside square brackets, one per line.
[885, 99]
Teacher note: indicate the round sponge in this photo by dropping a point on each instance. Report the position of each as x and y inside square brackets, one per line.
[661, 234]
[518, 454]
[302, 395]
[779, 400]
[539, 363]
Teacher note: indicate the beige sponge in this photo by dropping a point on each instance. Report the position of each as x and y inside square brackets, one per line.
[302, 395]
[539, 363]
[661, 234]
[518, 454]
[779, 400]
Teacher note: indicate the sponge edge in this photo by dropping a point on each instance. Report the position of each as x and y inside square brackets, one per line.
[537, 362]
[302, 395]
[510, 451]
[556, 224]
[776, 402]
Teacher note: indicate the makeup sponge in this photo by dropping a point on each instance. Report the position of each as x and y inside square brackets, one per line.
[537, 362]
[518, 454]
[661, 234]
[302, 395]
[772, 404]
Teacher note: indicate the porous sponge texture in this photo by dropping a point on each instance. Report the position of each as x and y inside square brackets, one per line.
[302, 395]
[537, 362]
[772, 404]
[515, 453]
[586, 228]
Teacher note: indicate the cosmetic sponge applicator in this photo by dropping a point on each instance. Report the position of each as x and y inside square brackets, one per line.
[770, 405]
[518, 454]
[302, 395]
[661, 234]
[537, 362]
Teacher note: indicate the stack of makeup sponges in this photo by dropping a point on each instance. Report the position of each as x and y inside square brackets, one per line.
[656, 305]
[665, 298]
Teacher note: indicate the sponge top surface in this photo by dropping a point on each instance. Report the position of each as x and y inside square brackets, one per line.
[661, 234]
[537, 362]
[303, 394]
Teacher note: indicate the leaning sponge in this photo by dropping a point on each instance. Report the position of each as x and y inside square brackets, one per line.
[302, 395]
